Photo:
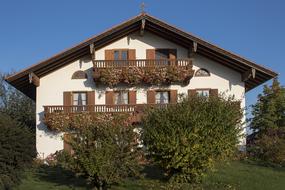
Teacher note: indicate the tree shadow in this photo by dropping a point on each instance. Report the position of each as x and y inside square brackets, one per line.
[153, 172]
[60, 176]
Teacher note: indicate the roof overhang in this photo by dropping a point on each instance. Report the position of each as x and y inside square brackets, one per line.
[252, 73]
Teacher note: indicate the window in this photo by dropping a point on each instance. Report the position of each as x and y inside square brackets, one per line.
[162, 54]
[79, 98]
[121, 97]
[204, 93]
[162, 97]
[202, 73]
[121, 55]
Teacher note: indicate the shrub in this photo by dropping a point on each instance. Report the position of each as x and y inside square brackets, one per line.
[186, 139]
[269, 147]
[105, 151]
[16, 151]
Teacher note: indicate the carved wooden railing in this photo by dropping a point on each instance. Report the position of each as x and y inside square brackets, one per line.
[142, 63]
[127, 108]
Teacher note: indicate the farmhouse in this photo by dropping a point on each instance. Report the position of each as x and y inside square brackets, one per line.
[141, 62]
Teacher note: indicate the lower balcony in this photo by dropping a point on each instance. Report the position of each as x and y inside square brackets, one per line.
[57, 116]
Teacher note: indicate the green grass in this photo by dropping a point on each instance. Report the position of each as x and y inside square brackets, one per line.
[236, 175]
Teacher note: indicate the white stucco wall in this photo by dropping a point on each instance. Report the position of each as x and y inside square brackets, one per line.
[52, 86]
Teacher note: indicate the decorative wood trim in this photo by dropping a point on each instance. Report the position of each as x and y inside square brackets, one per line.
[79, 75]
[142, 27]
[248, 74]
[34, 79]
[209, 74]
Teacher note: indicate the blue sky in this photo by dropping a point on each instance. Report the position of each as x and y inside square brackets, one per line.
[33, 30]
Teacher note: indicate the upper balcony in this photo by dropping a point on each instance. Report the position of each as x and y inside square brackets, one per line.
[148, 71]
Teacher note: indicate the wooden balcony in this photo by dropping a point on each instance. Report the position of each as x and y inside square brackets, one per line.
[127, 108]
[135, 111]
[134, 72]
[142, 63]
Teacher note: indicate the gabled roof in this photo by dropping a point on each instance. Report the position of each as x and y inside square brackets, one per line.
[20, 80]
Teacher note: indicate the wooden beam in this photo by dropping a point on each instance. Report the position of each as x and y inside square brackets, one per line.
[248, 74]
[34, 79]
[92, 52]
[142, 27]
[192, 49]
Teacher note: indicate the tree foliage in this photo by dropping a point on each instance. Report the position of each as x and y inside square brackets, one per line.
[16, 151]
[268, 125]
[186, 139]
[16, 105]
[105, 151]
[269, 111]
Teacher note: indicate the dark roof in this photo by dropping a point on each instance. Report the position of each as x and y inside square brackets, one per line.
[20, 80]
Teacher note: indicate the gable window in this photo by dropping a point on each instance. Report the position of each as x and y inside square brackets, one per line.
[162, 54]
[204, 93]
[162, 97]
[202, 73]
[121, 97]
[120, 54]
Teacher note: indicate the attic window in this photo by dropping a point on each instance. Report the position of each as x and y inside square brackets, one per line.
[79, 75]
[202, 73]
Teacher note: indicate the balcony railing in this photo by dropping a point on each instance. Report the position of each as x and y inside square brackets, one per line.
[128, 108]
[142, 63]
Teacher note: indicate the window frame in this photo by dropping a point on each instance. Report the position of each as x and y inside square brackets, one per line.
[161, 91]
[121, 91]
[203, 89]
[120, 54]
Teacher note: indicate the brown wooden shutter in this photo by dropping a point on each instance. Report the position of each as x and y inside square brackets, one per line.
[132, 54]
[109, 54]
[91, 100]
[214, 92]
[173, 96]
[150, 54]
[191, 92]
[172, 53]
[109, 98]
[132, 97]
[151, 97]
[67, 101]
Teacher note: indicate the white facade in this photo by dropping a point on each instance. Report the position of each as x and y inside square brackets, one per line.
[52, 86]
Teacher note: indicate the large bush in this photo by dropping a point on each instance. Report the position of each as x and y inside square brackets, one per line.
[186, 139]
[16, 151]
[105, 151]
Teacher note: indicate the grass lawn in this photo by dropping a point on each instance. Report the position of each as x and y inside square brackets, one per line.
[236, 175]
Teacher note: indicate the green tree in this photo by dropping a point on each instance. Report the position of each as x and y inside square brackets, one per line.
[186, 139]
[268, 125]
[15, 104]
[16, 151]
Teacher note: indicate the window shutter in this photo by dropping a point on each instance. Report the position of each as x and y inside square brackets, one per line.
[132, 97]
[173, 96]
[150, 54]
[172, 53]
[91, 100]
[191, 92]
[132, 54]
[109, 97]
[214, 92]
[66, 146]
[109, 54]
[67, 101]
[151, 97]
